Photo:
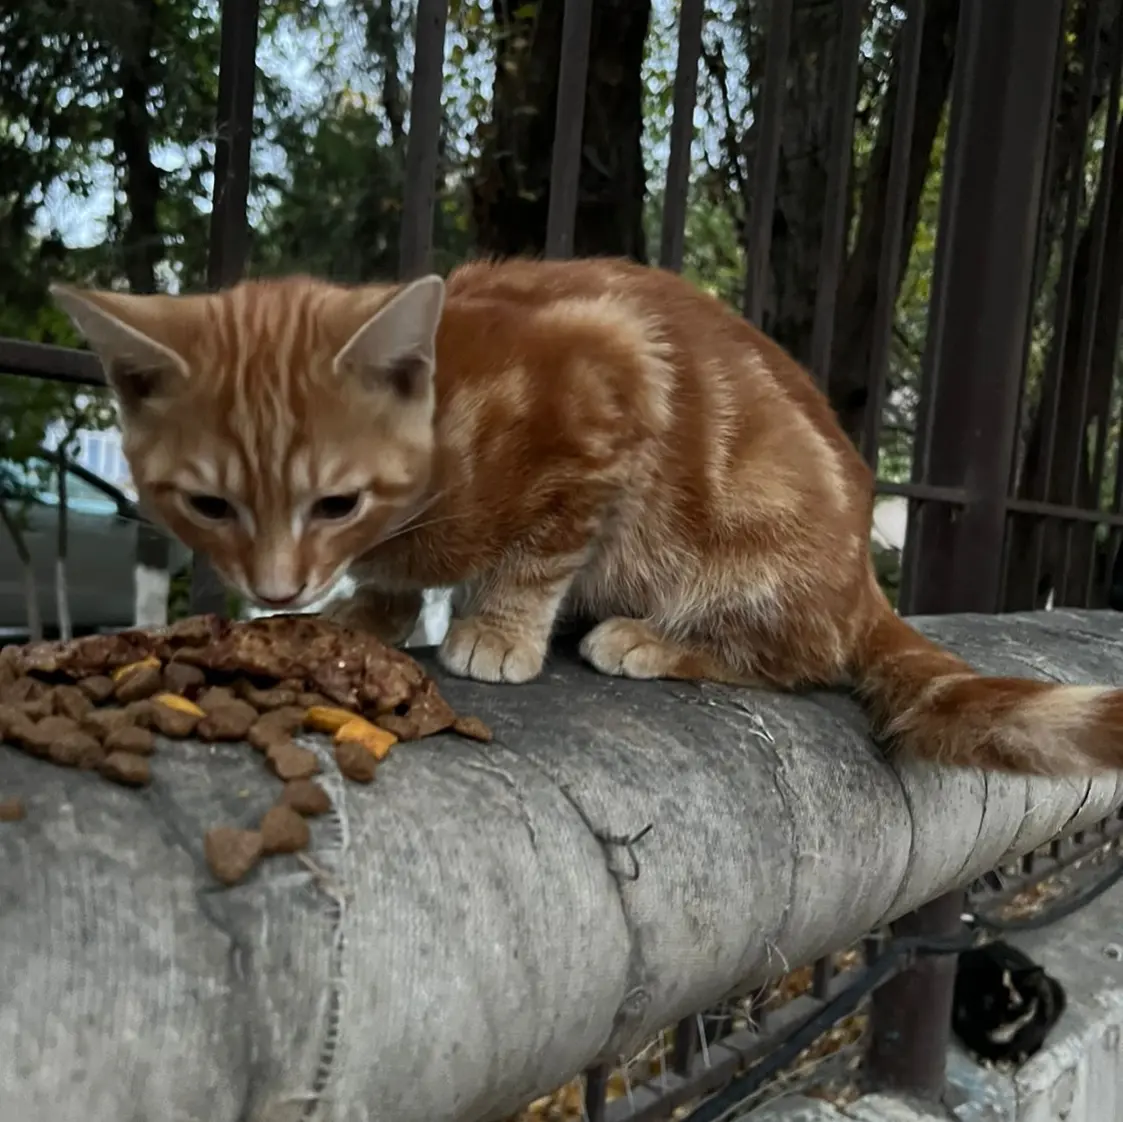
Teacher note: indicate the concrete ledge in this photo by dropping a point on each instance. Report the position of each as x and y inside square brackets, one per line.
[469, 936]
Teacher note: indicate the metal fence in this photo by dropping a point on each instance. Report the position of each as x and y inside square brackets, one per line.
[1005, 512]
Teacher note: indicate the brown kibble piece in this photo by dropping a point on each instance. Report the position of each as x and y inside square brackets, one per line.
[275, 728]
[214, 697]
[231, 720]
[181, 678]
[71, 702]
[139, 683]
[473, 728]
[265, 700]
[176, 723]
[99, 722]
[11, 717]
[231, 853]
[38, 709]
[290, 761]
[305, 796]
[140, 713]
[99, 688]
[42, 737]
[76, 749]
[126, 769]
[355, 762]
[128, 738]
[23, 689]
[309, 700]
[284, 831]
[12, 810]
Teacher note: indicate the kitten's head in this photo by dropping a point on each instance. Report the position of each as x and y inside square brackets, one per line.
[282, 428]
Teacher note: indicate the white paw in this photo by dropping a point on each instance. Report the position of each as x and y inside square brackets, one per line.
[629, 649]
[473, 649]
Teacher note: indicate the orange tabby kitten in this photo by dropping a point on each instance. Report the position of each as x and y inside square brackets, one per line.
[545, 437]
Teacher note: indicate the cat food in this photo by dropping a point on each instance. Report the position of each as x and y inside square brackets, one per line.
[12, 810]
[306, 797]
[99, 702]
[127, 769]
[355, 762]
[231, 853]
[283, 830]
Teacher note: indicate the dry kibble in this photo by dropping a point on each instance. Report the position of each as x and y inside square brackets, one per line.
[44, 734]
[355, 762]
[99, 722]
[284, 831]
[473, 728]
[231, 720]
[122, 672]
[305, 796]
[140, 713]
[38, 709]
[22, 689]
[99, 688]
[126, 769]
[138, 682]
[181, 678]
[309, 700]
[129, 738]
[181, 704]
[265, 700]
[376, 741]
[215, 697]
[231, 853]
[171, 721]
[290, 761]
[327, 718]
[70, 701]
[75, 748]
[275, 728]
[12, 810]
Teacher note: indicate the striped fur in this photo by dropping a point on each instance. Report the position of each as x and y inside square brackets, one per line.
[549, 438]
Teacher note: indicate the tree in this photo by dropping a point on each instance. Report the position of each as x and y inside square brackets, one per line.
[510, 189]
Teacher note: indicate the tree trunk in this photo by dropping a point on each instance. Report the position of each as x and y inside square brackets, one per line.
[857, 296]
[31, 593]
[142, 244]
[511, 191]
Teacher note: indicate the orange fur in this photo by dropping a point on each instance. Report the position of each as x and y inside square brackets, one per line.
[546, 438]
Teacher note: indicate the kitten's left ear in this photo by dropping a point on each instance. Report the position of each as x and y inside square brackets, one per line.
[396, 348]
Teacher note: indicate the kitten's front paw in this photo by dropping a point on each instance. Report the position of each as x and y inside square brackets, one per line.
[475, 649]
[628, 648]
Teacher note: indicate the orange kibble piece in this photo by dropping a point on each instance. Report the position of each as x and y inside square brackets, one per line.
[326, 718]
[132, 667]
[179, 704]
[376, 741]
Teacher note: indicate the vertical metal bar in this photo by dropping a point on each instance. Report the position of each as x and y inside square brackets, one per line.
[682, 134]
[686, 1045]
[565, 166]
[1062, 302]
[821, 978]
[229, 235]
[415, 242]
[766, 160]
[596, 1092]
[840, 157]
[1007, 92]
[889, 267]
[910, 1016]
[1090, 320]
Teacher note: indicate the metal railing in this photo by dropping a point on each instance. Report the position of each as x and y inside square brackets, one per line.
[976, 502]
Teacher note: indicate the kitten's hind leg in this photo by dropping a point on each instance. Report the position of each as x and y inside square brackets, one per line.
[631, 648]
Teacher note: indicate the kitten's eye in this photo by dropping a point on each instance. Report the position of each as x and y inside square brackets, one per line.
[332, 508]
[211, 507]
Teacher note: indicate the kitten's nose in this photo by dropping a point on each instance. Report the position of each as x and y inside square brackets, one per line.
[275, 601]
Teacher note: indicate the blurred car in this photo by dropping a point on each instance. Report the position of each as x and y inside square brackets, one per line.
[103, 524]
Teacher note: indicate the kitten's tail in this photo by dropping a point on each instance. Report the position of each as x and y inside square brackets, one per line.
[933, 704]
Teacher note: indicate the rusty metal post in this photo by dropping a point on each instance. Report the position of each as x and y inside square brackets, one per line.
[677, 190]
[416, 238]
[1001, 111]
[569, 124]
[229, 233]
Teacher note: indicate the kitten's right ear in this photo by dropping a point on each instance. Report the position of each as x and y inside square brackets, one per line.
[118, 326]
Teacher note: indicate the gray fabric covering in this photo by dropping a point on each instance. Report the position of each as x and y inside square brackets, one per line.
[463, 937]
